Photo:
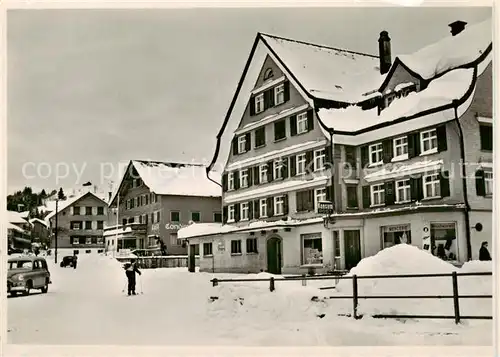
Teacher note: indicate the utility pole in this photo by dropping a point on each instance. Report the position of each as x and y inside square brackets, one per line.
[55, 233]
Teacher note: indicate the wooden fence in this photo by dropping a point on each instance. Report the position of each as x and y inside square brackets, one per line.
[175, 261]
[355, 295]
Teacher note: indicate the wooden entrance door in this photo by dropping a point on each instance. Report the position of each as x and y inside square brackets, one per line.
[352, 248]
[274, 255]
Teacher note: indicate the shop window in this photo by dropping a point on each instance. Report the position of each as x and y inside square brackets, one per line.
[312, 248]
[393, 235]
[444, 240]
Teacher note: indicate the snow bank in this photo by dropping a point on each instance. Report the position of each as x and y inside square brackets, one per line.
[441, 91]
[452, 51]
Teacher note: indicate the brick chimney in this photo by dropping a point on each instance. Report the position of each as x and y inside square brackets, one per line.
[457, 27]
[384, 49]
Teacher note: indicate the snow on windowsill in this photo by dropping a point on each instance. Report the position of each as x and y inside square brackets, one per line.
[278, 140]
[376, 164]
[377, 206]
[236, 254]
[425, 199]
[429, 152]
[268, 85]
[399, 158]
[400, 170]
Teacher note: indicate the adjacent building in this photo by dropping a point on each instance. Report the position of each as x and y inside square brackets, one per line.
[18, 230]
[80, 224]
[393, 151]
[156, 199]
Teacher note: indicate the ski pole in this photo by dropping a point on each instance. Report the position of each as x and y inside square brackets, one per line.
[141, 284]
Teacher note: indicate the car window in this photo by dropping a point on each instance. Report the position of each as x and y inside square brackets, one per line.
[44, 264]
[21, 264]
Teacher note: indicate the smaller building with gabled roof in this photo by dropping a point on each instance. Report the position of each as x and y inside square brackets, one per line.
[155, 199]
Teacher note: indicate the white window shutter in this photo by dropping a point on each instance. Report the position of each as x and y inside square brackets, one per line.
[94, 211]
[94, 225]
[72, 210]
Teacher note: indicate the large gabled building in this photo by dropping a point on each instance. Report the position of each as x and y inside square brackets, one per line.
[382, 141]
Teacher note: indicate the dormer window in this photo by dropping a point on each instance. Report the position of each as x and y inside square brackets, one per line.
[259, 103]
[268, 74]
[279, 94]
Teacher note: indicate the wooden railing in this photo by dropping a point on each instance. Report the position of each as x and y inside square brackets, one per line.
[355, 293]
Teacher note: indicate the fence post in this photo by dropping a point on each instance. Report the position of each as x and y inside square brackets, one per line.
[355, 296]
[214, 282]
[456, 305]
[271, 284]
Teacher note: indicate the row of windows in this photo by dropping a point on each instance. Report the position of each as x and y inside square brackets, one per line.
[301, 164]
[251, 246]
[80, 225]
[270, 98]
[86, 240]
[142, 200]
[262, 208]
[299, 124]
[88, 211]
[175, 216]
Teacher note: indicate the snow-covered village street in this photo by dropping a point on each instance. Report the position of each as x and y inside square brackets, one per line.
[87, 306]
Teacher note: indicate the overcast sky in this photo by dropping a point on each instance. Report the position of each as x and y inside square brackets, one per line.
[90, 88]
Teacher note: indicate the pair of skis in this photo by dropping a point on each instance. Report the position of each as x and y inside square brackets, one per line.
[125, 289]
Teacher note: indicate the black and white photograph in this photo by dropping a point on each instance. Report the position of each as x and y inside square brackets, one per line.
[249, 176]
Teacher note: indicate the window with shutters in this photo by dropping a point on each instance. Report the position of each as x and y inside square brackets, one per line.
[88, 224]
[236, 247]
[301, 164]
[158, 216]
[242, 143]
[88, 240]
[244, 178]
[252, 245]
[263, 173]
[230, 181]
[279, 94]
[100, 211]
[260, 137]
[140, 219]
[195, 216]
[377, 195]
[352, 196]
[302, 123]
[319, 160]
[259, 103]
[279, 202]
[486, 134]
[488, 183]
[244, 211]
[217, 217]
[88, 211]
[432, 186]
[428, 142]
[375, 151]
[403, 191]
[401, 147]
[319, 195]
[75, 225]
[279, 130]
[263, 208]
[278, 166]
[230, 213]
[304, 200]
[100, 224]
[76, 211]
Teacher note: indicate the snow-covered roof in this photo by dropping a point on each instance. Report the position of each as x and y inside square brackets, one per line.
[451, 52]
[166, 178]
[441, 91]
[33, 220]
[209, 229]
[62, 205]
[400, 170]
[17, 217]
[326, 72]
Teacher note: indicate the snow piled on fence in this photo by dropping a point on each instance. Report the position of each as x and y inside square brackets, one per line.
[293, 302]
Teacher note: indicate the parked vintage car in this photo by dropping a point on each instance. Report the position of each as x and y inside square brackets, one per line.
[26, 273]
[68, 260]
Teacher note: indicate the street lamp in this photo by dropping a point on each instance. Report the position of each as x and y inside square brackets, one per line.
[55, 232]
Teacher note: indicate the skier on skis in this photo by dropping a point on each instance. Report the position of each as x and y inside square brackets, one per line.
[130, 270]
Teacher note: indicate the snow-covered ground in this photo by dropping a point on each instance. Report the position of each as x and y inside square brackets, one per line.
[87, 306]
